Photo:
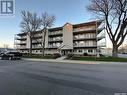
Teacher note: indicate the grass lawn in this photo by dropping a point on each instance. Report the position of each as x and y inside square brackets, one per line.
[109, 59]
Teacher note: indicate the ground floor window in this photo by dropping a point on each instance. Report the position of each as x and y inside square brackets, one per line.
[75, 50]
[80, 50]
[90, 51]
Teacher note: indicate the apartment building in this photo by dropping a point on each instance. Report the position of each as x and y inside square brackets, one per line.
[70, 38]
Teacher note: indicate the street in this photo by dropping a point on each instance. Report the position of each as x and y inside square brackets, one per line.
[21, 77]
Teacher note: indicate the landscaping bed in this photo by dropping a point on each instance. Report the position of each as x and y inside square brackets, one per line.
[39, 56]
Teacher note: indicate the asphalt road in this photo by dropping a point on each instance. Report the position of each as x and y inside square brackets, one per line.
[43, 78]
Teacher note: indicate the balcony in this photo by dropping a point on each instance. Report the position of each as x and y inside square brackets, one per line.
[21, 47]
[100, 38]
[82, 39]
[53, 47]
[56, 33]
[37, 42]
[85, 30]
[21, 43]
[36, 47]
[37, 37]
[99, 30]
[55, 40]
[21, 38]
[89, 30]
[85, 46]
[22, 34]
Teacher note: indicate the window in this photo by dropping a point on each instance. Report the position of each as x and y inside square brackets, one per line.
[80, 50]
[81, 43]
[81, 36]
[75, 50]
[58, 44]
[75, 43]
[90, 51]
[90, 43]
[87, 43]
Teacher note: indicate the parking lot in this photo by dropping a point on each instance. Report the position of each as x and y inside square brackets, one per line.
[20, 77]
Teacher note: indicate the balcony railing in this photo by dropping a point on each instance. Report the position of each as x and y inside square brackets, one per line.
[100, 38]
[55, 40]
[21, 38]
[79, 45]
[21, 43]
[53, 46]
[38, 42]
[85, 29]
[36, 47]
[37, 37]
[85, 38]
[55, 33]
[20, 47]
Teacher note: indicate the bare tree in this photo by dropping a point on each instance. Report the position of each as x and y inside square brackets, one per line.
[115, 14]
[47, 22]
[30, 23]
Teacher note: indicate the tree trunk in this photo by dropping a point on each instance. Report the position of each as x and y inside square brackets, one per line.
[43, 45]
[43, 51]
[30, 45]
[115, 51]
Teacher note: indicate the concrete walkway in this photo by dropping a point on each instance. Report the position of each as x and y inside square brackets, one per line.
[73, 61]
[61, 58]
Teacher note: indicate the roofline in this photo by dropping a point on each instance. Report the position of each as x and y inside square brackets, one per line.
[24, 33]
[88, 23]
[74, 25]
[56, 28]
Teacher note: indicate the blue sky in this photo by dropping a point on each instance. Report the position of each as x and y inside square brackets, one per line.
[73, 11]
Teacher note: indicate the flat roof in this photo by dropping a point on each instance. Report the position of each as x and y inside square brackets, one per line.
[74, 25]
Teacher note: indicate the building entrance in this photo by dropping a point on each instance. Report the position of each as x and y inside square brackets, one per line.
[66, 52]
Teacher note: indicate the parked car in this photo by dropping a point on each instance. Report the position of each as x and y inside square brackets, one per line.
[10, 55]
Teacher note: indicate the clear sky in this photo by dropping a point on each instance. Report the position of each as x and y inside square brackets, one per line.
[73, 11]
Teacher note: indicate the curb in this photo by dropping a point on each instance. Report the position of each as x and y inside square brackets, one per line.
[62, 61]
[73, 61]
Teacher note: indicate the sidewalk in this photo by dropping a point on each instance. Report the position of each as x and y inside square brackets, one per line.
[62, 61]
[73, 61]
